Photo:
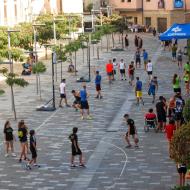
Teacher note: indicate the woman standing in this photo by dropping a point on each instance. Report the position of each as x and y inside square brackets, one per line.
[22, 134]
[176, 83]
[126, 41]
[9, 137]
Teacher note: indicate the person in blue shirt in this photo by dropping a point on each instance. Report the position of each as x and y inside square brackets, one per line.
[84, 102]
[138, 91]
[145, 58]
[153, 87]
[98, 79]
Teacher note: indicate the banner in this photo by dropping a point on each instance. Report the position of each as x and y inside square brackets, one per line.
[178, 3]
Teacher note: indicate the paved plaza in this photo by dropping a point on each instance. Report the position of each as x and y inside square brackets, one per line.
[109, 165]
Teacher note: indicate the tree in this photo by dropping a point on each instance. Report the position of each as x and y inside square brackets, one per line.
[73, 47]
[12, 79]
[38, 68]
[180, 145]
[186, 111]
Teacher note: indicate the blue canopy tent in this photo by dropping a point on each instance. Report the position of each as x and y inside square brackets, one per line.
[177, 31]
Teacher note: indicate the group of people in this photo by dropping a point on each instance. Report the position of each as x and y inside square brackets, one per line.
[25, 149]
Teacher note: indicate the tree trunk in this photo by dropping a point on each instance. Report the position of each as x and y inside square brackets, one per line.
[113, 40]
[83, 55]
[107, 42]
[13, 102]
[39, 86]
[46, 53]
[75, 63]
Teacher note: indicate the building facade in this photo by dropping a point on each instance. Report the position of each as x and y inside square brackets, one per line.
[13, 12]
[160, 14]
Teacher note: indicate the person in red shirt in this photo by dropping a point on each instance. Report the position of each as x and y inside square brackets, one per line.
[150, 120]
[170, 130]
[109, 70]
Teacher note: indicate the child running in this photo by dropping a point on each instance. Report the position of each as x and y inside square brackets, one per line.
[75, 148]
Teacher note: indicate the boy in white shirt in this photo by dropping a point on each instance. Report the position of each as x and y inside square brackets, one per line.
[63, 93]
[149, 69]
[122, 68]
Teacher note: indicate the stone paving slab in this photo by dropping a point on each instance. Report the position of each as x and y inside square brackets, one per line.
[146, 168]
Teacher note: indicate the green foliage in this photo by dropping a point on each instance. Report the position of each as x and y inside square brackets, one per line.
[89, 7]
[73, 46]
[180, 145]
[12, 78]
[60, 53]
[186, 111]
[25, 36]
[45, 33]
[39, 67]
[187, 187]
[2, 91]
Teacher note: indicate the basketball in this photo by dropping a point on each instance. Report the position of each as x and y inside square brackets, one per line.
[136, 140]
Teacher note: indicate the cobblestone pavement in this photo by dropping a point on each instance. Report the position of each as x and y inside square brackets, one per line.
[109, 164]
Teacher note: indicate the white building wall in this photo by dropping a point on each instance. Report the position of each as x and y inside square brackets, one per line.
[72, 6]
[1, 12]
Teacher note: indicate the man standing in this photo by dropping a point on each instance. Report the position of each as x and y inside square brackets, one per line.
[84, 103]
[153, 87]
[145, 58]
[149, 69]
[98, 84]
[161, 113]
[137, 58]
[109, 70]
[122, 68]
[63, 93]
[138, 91]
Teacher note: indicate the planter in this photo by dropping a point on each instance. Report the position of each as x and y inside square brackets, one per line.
[117, 49]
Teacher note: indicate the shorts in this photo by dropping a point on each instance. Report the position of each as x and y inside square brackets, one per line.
[139, 94]
[174, 55]
[151, 91]
[98, 87]
[62, 96]
[76, 102]
[138, 60]
[130, 134]
[34, 153]
[84, 105]
[149, 72]
[74, 152]
[179, 58]
[110, 73]
[177, 90]
[145, 62]
[161, 117]
[178, 116]
[131, 77]
[182, 170]
[122, 71]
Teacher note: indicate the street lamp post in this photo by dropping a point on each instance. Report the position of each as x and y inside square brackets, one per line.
[9, 48]
[35, 50]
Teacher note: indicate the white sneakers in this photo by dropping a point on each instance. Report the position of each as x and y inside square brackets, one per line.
[12, 154]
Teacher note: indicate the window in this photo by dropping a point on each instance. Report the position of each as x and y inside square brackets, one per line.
[147, 0]
[148, 21]
[161, 4]
[122, 1]
[129, 1]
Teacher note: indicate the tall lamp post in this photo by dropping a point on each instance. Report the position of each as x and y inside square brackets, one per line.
[9, 48]
[35, 50]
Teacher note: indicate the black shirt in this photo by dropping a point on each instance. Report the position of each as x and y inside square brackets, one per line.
[8, 134]
[160, 108]
[32, 142]
[73, 137]
[22, 134]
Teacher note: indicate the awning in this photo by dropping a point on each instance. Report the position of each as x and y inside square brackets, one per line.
[177, 31]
